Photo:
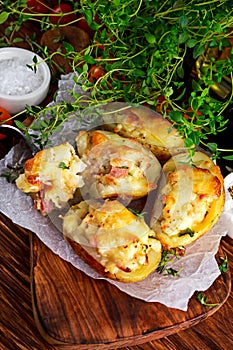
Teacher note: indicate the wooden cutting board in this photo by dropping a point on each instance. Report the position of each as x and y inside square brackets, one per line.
[75, 311]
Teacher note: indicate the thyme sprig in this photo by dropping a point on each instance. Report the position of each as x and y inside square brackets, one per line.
[13, 172]
[201, 298]
[138, 214]
[167, 258]
[223, 267]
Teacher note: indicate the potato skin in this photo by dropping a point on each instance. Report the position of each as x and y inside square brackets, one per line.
[116, 166]
[112, 240]
[51, 177]
[209, 182]
[124, 277]
[149, 128]
[89, 259]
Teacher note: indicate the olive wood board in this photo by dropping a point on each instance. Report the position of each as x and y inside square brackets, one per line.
[74, 311]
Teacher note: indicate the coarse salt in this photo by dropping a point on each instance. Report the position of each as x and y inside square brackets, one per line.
[17, 79]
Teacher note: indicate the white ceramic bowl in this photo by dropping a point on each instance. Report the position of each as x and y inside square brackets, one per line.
[20, 85]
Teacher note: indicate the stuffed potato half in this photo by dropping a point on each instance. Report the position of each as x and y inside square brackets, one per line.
[51, 177]
[146, 126]
[191, 200]
[116, 166]
[112, 240]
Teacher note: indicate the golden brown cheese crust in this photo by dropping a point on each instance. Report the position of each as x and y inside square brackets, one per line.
[146, 126]
[51, 177]
[118, 244]
[87, 140]
[192, 198]
[193, 207]
[116, 166]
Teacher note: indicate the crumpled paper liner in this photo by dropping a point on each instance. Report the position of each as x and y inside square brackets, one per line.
[198, 267]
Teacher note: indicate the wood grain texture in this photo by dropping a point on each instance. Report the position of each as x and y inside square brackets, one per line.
[18, 328]
[71, 308]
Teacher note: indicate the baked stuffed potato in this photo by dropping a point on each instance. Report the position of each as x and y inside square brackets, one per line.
[139, 159]
[111, 239]
[149, 128]
[116, 166]
[51, 177]
[191, 199]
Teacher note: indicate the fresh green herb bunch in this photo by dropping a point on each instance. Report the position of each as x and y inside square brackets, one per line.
[146, 52]
[146, 46]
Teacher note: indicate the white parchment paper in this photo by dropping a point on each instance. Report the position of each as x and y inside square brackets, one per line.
[198, 267]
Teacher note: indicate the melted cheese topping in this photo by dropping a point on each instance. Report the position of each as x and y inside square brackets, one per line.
[54, 175]
[112, 234]
[145, 125]
[187, 198]
[116, 166]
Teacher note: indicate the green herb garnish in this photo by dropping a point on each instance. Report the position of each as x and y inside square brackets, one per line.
[187, 231]
[62, 165]
[203, 300]
[224, 265]
[140, 215]
[13, 173]
[171, 271]
[167, 257]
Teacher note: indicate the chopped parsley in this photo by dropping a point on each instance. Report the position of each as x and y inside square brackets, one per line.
[187, 231]
[62, 165]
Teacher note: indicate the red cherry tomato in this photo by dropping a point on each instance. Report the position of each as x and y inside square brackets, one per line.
[38, 6]
[95, 72]
[82, 24]
[100, 46]
[66, 14]
[4, 119]
[186, 116]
